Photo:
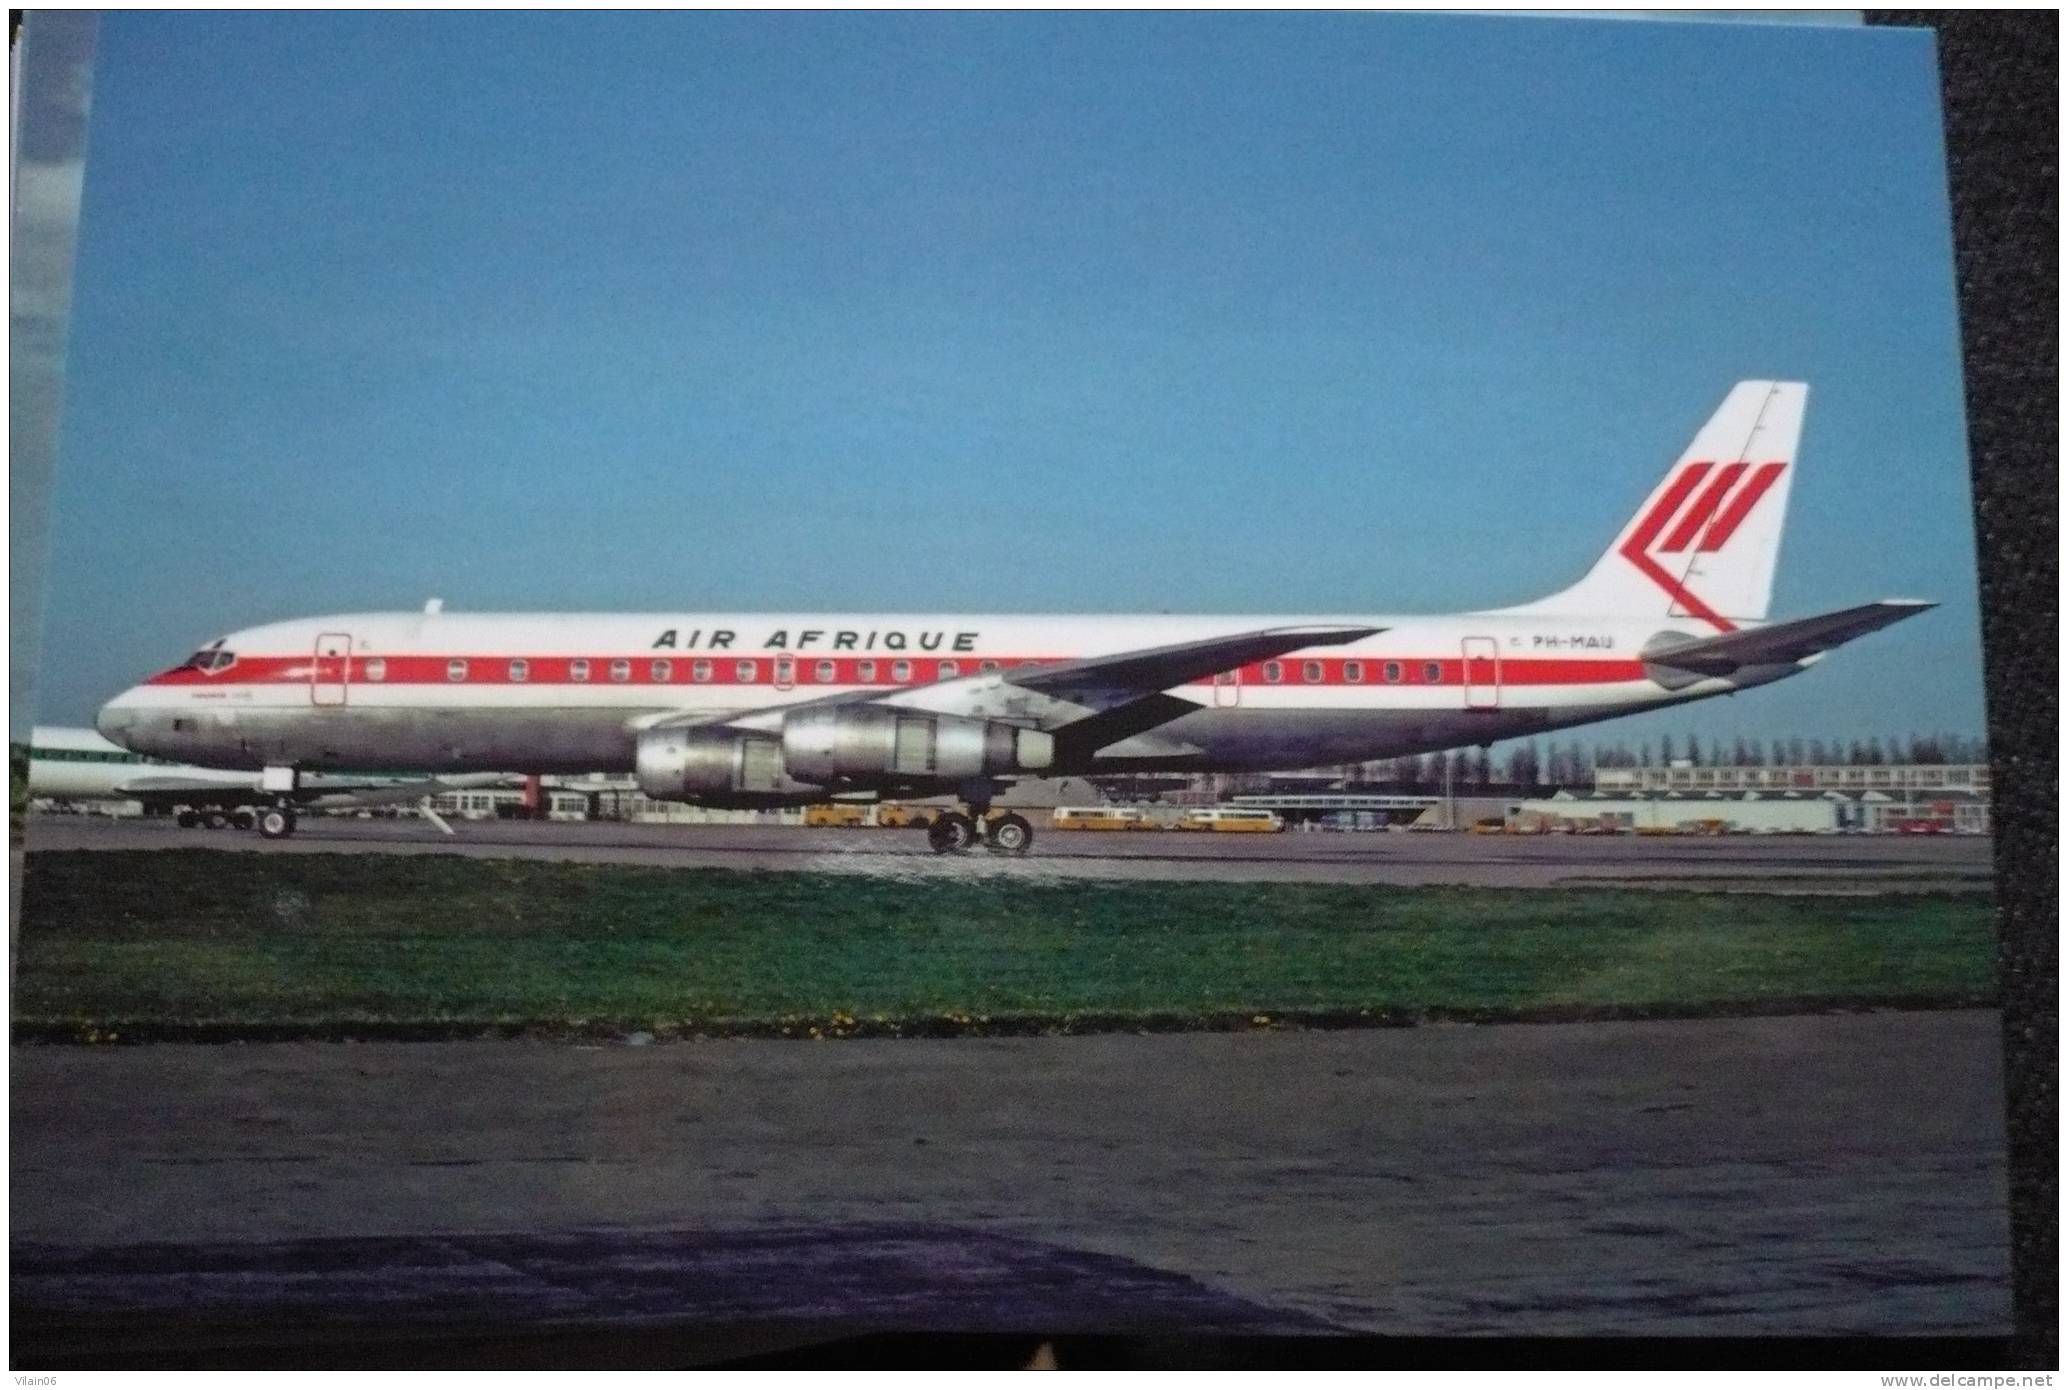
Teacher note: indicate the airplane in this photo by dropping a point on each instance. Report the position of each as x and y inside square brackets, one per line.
[72, 765]
[746, 709]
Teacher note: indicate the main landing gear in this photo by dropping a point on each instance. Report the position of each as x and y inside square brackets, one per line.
[213, 818]
[952, 831]
[276, 822]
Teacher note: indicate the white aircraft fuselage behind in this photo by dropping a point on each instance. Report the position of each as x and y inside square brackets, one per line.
[754, 708]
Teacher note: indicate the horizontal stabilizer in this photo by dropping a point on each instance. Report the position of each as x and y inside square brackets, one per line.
[1781, 643]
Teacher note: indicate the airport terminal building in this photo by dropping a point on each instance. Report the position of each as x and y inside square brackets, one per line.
[1889, 778]
[1897, 811]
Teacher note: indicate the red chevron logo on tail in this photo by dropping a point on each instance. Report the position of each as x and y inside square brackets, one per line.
[1707, 517]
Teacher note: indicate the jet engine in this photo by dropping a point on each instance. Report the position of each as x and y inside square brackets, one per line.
[710, 765]
[840, 745]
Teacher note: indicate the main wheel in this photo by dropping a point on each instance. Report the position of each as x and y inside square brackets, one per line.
[243, 820]
[215, 820]
[1011, 834]
[187, 820]
[276, 823]
[951, 831]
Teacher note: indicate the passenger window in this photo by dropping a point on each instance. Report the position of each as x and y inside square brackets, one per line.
[950, 670]
[865, 672]
[578, 669]
[377, 668]
[1432, 672]
[1273, 672]
[1311, 672]
[455, 670]
[1392, 673]
[662, 672]
[700, 671]
[744, 671]
[621, 670]
[1353, 671]
[520, 670]
[823, 673]
[987, 667]
[901, 671]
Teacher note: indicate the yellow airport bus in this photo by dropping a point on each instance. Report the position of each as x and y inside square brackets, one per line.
[896, 815]
[1233, 819]
[1100, 818]
[838, 814]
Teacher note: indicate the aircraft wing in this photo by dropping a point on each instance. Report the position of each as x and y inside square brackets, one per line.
[1780, 643]
[1088, 704]
[175, 786]
[367, 792]
[317, 789]
[1103, 682]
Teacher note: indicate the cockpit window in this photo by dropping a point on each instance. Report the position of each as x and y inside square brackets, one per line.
[210, 659]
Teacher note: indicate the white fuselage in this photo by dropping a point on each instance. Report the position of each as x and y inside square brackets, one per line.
[539, 692]
[80, 765]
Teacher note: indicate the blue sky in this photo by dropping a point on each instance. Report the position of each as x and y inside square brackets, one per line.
[1238, 313]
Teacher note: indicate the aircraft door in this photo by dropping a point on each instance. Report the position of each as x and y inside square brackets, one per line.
[331, 674]
[1482, 673]
[1228, 689]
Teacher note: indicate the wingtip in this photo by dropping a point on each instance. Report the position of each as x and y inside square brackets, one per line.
[1331, 632]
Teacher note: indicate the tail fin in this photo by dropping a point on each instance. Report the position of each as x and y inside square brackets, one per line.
[1703, 545]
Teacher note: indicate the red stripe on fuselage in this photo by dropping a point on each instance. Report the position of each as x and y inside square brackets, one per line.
[761, 671]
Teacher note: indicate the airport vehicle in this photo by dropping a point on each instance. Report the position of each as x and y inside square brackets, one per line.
[1100, 818]
[74, 765]
[1226, 819]
[896, 815]
[740, 709]
[837, 815]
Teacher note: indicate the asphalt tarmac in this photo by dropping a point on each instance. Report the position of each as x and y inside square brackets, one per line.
[1752, 863]
[1813, 1175]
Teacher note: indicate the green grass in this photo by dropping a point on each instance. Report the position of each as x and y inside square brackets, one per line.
[202, 944]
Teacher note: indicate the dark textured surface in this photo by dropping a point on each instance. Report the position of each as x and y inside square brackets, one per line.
[159, 1303]
[1777, 1177]
[2000, 77]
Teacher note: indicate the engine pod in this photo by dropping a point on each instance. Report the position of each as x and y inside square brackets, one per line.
[842, 744]
[675, 764]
